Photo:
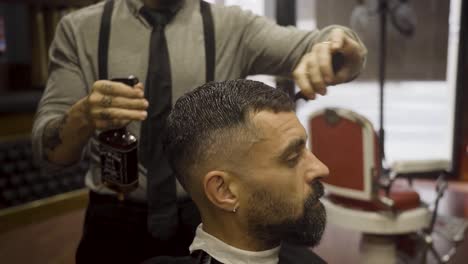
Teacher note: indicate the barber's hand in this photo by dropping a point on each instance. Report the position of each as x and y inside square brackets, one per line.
[315, 70]
[114, 104]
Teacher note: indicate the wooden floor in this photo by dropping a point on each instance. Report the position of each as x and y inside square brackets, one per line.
[53, 241]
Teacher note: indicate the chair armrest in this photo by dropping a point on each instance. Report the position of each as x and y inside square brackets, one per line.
[386, 201]
[420, 166]
[385, 181]
[406, 167]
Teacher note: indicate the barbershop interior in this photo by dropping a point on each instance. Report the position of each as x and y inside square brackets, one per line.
[378, 92]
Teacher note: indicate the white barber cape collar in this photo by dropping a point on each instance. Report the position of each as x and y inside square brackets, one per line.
[227, 254]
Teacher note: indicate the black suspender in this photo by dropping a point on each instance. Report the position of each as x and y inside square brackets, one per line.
[104, 35]
[208, 31]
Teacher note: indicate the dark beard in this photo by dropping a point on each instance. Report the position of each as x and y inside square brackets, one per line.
[307, 230]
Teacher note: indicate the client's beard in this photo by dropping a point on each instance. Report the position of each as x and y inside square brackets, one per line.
[306, 230]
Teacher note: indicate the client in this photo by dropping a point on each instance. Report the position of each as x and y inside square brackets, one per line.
[239, 150]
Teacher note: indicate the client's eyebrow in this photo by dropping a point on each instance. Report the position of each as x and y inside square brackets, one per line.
[294, 146]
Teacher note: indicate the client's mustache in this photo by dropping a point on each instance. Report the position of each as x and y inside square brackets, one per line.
[317, 190]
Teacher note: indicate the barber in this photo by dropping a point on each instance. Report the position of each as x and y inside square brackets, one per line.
[172, 47]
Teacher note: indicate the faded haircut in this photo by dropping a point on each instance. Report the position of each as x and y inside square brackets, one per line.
[207, 123]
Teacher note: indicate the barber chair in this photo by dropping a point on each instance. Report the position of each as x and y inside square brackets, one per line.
[363, 196]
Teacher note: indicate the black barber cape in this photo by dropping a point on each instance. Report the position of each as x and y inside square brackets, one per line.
[289, 254]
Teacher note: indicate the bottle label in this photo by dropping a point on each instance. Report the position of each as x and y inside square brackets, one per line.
[118, 167]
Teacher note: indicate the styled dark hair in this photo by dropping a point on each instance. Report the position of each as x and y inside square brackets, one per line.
[202, 121]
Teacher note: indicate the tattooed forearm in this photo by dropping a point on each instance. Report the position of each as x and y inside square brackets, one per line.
[51, 137]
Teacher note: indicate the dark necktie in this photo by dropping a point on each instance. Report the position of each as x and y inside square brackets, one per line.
[161, 194]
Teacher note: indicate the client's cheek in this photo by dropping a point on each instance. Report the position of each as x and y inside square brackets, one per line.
[307, 190]
[294, 206]
[299, 207]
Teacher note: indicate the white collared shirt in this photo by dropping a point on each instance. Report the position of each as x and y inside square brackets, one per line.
[230, 255]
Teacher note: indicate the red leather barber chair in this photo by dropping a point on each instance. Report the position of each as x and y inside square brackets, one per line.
[359, 196]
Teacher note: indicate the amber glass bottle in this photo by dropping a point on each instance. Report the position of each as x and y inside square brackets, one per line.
[118, 151]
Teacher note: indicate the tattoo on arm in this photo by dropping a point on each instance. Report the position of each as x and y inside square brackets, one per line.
[51, 137]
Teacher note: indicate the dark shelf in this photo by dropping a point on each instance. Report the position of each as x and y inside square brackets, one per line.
[60, 3]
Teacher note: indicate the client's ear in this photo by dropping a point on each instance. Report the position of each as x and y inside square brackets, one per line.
[219, 189]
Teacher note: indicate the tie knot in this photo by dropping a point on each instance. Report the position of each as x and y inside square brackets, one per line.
[156, 17]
